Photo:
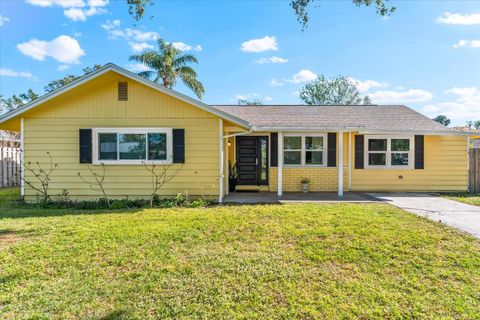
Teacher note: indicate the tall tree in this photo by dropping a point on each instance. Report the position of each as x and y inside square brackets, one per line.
[167, 65]
[136, 8]
[14, 102]
[442, 120]
[476, 124]
[335, 91]
[56, 84]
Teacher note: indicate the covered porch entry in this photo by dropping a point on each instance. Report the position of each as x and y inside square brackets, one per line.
[258, 165]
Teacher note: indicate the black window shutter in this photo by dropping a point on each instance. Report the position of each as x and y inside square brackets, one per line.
[419, 152]
[178, 145]
[332, 149]
[359, 145]
[85, 144]
[274, 149]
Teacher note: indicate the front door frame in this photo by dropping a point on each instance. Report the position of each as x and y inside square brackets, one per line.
[258, 155]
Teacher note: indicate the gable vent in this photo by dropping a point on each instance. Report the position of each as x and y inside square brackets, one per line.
[123, 91]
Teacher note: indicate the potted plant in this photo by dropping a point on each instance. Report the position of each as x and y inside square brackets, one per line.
[305, 182]
[232, 177]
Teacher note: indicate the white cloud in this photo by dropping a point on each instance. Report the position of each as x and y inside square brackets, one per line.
[75, 14]
[137, 39]
[185, 47]
[3, 19]
[60, 3]
[111, 25]
[364, 86]
[11, 73]
[252, 96]
[259, 45]
[276, 83]
[302, 76]
[137, 67]
[62, 67]
[140, 46]
[463, 107]
[398, 97]
[63, 48]
[272, 59]
[467, 43]
[75, 10]
[459, 19]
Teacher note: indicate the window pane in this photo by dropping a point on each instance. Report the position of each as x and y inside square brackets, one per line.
[132, 146]
[292, 157]
[314, 157]
[400, 144]
[377, 144]
[377, 159]
[399, 159]
[292, 143]
[157, 146]
[107, 146]
[312, 143]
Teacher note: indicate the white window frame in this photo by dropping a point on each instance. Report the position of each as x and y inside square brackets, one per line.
[389, 152]
[97, 131]
[303, 150]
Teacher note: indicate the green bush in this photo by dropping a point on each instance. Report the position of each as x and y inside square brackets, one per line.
[64, 202]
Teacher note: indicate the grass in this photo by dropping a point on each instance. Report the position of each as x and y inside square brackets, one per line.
[468, 198]
[235, 262]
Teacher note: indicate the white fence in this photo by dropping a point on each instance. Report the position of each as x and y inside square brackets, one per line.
[10, 157]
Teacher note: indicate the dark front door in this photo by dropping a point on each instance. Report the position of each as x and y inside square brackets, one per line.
[252, 160]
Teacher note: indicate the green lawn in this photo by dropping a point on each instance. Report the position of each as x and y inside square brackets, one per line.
[468, 198]
[235, 262]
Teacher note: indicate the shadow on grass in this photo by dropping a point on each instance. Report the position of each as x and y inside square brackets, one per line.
[116, 315]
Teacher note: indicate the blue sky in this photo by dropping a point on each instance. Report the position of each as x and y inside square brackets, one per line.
[426, 55]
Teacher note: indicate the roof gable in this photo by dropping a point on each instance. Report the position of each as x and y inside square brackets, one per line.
[112, 67]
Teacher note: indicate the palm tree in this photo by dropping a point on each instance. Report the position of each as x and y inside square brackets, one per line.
[167, 64]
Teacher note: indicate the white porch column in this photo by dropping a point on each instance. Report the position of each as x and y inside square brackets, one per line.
[340, 163]
[227, 154]
[22, 158]
[280, 164]
[350, 161]
[220, 160]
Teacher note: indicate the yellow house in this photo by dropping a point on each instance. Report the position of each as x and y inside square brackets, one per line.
[116, 125]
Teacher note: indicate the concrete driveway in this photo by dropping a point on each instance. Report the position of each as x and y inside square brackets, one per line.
[452, 213]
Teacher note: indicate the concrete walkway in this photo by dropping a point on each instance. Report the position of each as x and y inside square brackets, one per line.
[271, 197]
[452, 213]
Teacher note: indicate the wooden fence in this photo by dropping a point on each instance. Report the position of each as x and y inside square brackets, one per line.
[474, 168]
[10, 157]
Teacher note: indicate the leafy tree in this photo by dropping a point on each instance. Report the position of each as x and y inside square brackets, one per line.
[469, 124]
[167, 64]
[253, 102]
[301, 8]
[335, 91]
[57, 84]
[442, 120]
[14, 102]
[136, 8]
[476, 124]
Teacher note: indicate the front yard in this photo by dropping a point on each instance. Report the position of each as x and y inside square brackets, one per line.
[234, 262]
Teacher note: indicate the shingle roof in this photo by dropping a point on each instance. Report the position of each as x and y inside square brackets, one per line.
[375, 117]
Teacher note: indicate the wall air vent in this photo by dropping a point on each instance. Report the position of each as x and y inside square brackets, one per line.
[123, 91]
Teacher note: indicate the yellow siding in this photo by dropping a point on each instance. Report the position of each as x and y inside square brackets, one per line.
[445, 170]
[321, 179]
[53, 128]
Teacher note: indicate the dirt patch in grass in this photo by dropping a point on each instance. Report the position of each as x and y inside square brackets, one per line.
[8, 237]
